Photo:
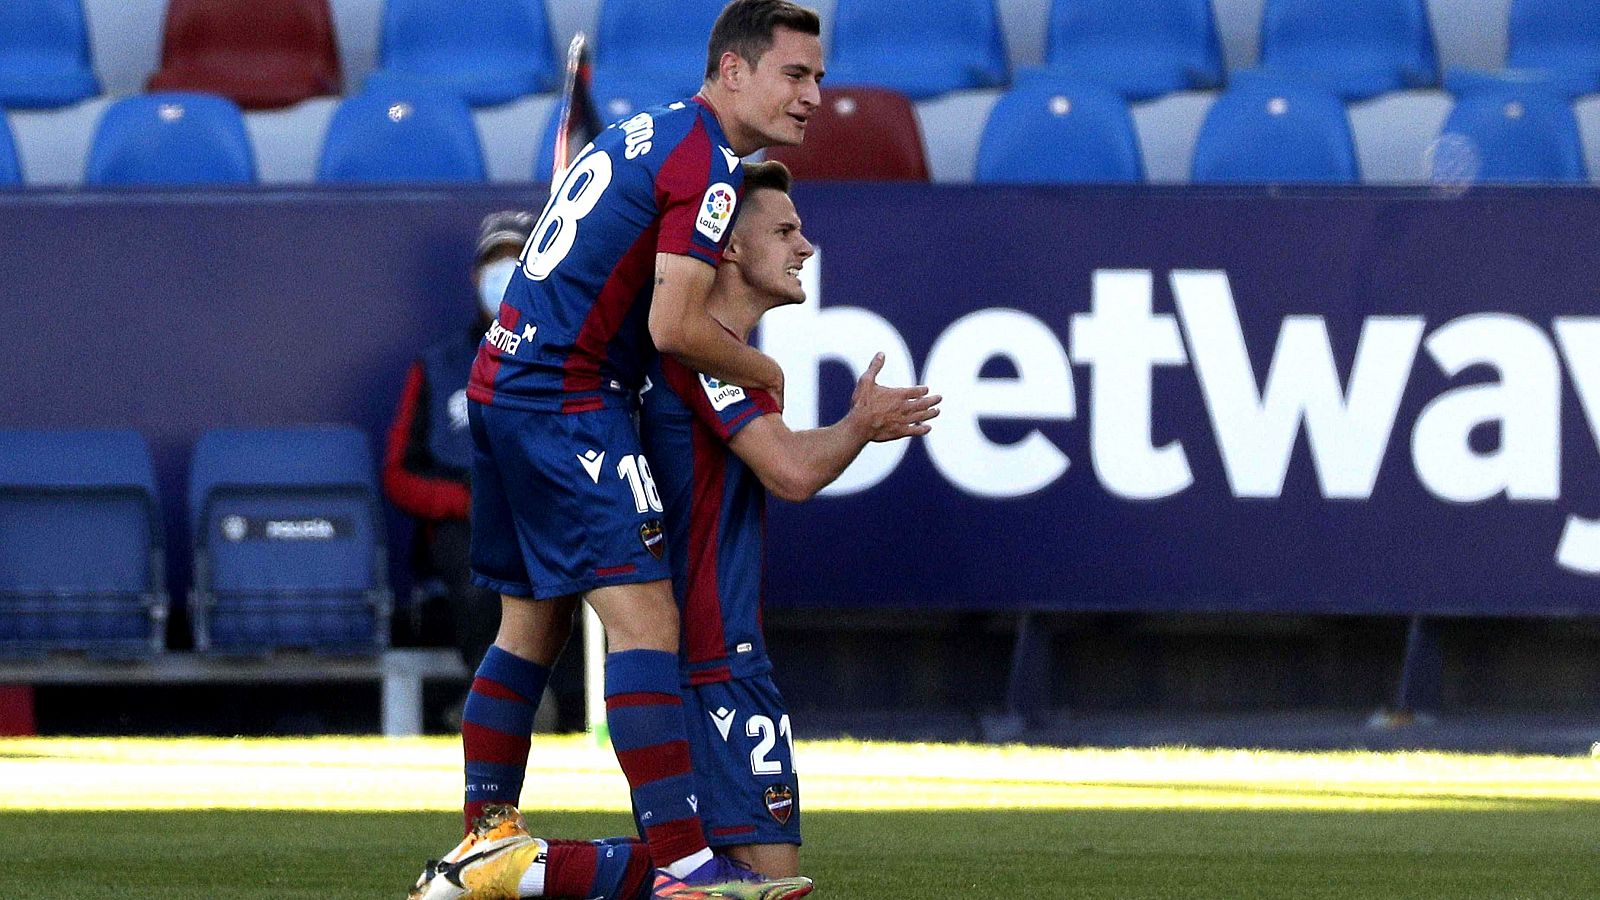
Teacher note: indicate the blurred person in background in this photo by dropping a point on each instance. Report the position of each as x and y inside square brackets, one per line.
[427, 461]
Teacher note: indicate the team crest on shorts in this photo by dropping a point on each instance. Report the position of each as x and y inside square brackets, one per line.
[653, 538]
[780, 802]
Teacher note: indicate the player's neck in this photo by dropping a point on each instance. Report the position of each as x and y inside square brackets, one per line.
[740, 140]
[735, 310]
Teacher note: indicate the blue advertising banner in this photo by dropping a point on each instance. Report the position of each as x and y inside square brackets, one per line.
[1368, 400]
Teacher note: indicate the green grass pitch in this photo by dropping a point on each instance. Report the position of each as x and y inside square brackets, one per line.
[354, 818]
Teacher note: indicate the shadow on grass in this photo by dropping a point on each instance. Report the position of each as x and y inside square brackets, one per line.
[1529, 850]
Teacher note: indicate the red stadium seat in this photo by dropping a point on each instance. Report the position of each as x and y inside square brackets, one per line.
[859, 134]
[260, 55]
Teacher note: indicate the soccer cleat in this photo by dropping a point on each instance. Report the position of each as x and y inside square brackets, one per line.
[488, 862]
[728, 879]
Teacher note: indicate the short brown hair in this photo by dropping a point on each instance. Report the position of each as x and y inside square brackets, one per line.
[770, 174]
[746, 27]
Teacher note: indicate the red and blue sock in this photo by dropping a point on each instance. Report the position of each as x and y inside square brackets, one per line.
[645, 713]
[616, 869]
[496, 725]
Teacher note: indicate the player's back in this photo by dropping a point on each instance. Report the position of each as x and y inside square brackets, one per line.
[572, 331]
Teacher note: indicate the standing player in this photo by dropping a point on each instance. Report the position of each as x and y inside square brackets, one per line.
[719, 449]
[564, 505]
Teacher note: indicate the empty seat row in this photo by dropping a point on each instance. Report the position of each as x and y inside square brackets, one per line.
[491, 51]
[285, 529]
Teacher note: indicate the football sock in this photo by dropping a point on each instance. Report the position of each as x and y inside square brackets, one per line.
[613, 869]
[496, 725]
[645, 713]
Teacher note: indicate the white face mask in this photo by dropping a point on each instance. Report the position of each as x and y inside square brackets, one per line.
[492, 282]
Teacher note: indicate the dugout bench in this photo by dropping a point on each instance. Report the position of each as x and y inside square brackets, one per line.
[400, 674]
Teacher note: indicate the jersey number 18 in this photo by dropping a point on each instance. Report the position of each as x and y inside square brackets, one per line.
[557, 229]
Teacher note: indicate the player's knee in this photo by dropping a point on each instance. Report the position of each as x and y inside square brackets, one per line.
[638, 616]
[771, 860]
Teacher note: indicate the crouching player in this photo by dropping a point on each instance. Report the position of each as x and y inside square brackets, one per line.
[718, 451]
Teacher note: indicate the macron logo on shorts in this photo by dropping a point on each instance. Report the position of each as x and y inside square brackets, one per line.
[724, 719]
[592, 461]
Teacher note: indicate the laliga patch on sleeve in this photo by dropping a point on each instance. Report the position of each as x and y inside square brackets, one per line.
[721, 395]
[716, 211]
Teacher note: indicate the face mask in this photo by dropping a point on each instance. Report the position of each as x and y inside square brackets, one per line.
[492, 283]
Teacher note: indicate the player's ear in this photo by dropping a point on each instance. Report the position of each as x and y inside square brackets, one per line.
[731, 69]
[732, 252]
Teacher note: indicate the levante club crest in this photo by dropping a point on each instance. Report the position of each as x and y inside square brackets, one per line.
[651, 535]
[780, 802]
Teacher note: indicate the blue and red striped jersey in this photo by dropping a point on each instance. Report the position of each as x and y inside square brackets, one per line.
[715, 516]
[572, 331]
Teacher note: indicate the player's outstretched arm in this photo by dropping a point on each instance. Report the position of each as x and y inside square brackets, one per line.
[681, 326]
[794, 465]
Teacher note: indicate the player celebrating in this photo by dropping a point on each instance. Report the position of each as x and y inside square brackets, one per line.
[719, 450]
[564, 504]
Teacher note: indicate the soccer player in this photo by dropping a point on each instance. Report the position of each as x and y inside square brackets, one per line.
[563, 502]
[719, 450]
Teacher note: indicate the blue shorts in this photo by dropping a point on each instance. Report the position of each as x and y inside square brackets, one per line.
[562, 503]
[743, 752]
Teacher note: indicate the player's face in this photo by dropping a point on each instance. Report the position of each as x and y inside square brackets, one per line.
[782, 91]
[771, 247]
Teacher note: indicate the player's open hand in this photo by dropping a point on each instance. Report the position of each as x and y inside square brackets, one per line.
[888, 414]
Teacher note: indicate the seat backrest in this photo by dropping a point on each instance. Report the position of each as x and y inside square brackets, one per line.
[1059, 132]
[859, 134]
[1507, 135]
[497, 49]
[634, 36]
[44, 54]
[1261, 131]
[171, 138]
[10, 166]
[261, 55]
[401, 135]
[921, 48]
[1355, 48]
[1103, 38]
[1555, 34]
[78, 513]
[286, 509]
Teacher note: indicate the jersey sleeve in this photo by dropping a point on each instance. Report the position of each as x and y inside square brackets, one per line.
[697, 194]
[724, 408]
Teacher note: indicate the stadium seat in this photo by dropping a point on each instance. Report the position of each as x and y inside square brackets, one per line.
[1262, 131]
[401, 135]
[487, 52]
[1141, 48]
[1505, 134]
[921, 48]
[171, 139]
[260, 55]
[10, 166]
[637, 43]
[859, 134]
[44, 54]
[1060, 132]
[288, 542]
[1556, 35]
[1355, 48]
[81, 549]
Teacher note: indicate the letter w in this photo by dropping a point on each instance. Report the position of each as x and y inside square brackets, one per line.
[1255, 432]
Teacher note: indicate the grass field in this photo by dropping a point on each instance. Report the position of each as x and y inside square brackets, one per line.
[353, 818]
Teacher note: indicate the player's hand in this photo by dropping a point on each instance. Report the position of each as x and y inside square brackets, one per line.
[889, 414]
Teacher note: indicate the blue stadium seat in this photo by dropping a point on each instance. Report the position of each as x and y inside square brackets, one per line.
[10, 166]
[1509, 133]
[171, 138]
[402, 135]
[1264, 131]
[44, 54]
[81, 549]
[288, 537]
[1556, 35]
[636, 42]
[1060, 132]
[921, 48]
[1142, 48]
[1355, 48]
[487, 52]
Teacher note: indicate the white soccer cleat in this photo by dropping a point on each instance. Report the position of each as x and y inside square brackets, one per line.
[488, 863]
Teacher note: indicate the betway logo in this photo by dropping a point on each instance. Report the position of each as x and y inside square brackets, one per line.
[1122, 341]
